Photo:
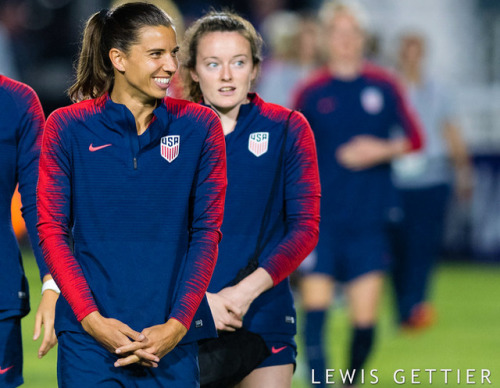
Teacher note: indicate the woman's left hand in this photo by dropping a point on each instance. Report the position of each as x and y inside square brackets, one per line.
[246, 291]
[238, 298]
[161, 340]
[226, 316]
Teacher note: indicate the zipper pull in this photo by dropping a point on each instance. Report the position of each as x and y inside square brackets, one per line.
[135, 163]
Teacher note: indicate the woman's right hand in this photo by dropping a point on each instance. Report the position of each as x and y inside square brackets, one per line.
[366, 151]
[226, 316]
[112, 334]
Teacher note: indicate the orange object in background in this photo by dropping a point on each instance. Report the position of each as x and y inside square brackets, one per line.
[17, 218]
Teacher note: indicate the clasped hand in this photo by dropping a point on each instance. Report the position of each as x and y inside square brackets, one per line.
[228, 307]
[230, 304]
[227, 316]
[145, 348]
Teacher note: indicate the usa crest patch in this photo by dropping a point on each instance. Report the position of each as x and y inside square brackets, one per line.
[372, 100]
[169, 147]
[258, 143]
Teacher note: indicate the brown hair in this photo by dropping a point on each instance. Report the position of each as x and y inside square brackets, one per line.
[214, 21]
[117, 28]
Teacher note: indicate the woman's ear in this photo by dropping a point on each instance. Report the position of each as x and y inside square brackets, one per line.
[255, 72]
[118, 59]
[194, 76]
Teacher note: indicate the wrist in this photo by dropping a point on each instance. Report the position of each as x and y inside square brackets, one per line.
[90, 320]
[255, 284]
[247, 290]
[50, 284]
[397, 148]
[177, 327]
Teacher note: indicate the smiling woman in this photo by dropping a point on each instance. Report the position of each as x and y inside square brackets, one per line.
[134, 60]
[114, 166]
[153, 58]
[142, 75]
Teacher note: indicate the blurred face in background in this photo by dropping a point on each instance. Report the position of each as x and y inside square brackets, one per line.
[224, 69]
[345, 38]
[308, 41]
[411, 51]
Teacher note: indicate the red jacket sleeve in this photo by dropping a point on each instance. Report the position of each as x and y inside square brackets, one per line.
[29, 141]
[207, 209]
[53, 201]
[302, 196]
[407, 117]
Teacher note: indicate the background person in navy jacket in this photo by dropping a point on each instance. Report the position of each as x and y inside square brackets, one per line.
[21, 128]
[139, 181]
[352, 106]
[272, 207]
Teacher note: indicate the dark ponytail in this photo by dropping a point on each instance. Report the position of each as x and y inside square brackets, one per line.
[118, 28]
[94, 73]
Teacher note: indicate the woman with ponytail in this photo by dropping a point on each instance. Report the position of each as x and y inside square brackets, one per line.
[138, 181]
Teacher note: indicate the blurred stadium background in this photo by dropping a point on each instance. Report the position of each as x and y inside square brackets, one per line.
[38, 45]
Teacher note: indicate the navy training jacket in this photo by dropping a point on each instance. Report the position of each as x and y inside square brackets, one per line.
[338, 110]
[279, 204]
[21, 128]
[144, 212]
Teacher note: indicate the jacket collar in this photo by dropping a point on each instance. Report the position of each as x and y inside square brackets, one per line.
[118, 118]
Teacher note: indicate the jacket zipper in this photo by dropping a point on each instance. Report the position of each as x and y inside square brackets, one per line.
[132, 139]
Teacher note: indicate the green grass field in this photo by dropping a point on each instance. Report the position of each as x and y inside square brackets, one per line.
[466, 335]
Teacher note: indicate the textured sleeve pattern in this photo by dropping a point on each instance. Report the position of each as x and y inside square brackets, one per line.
[302, 196]
[54, 217]
[207, 209]
[29, 140]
